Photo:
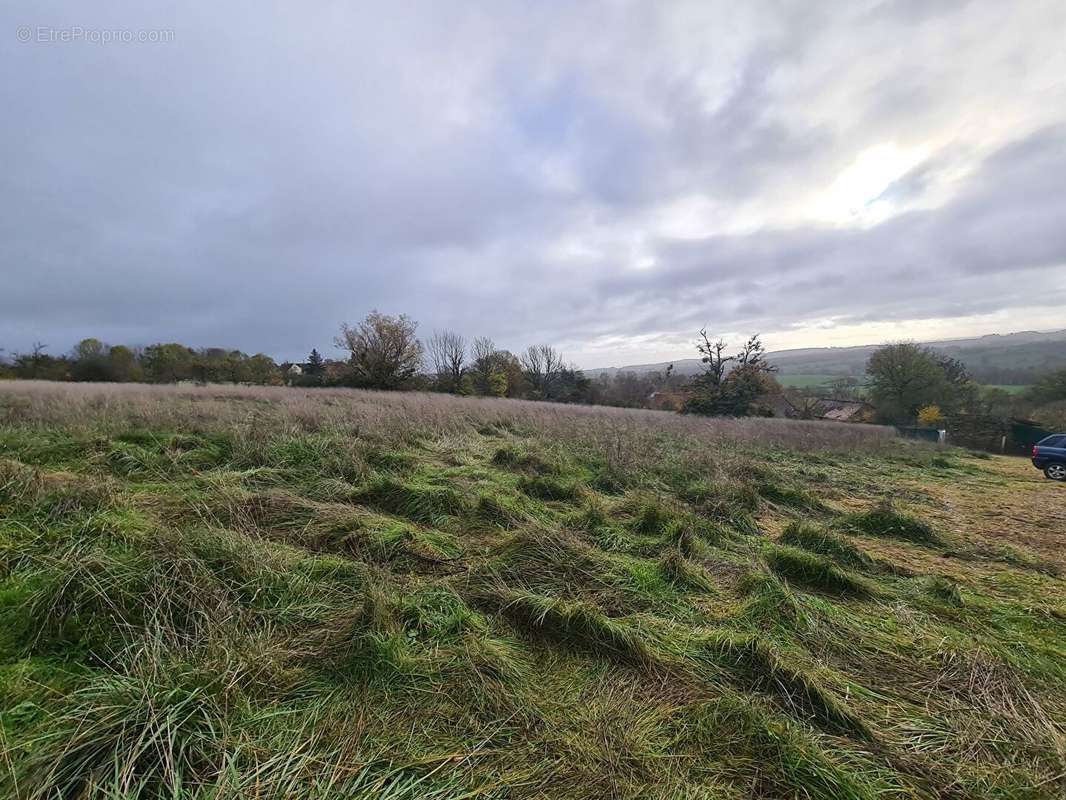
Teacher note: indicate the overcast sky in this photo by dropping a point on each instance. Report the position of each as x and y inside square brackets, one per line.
[605, 176]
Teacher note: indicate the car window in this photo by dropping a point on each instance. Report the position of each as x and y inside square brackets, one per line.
[1054, 441]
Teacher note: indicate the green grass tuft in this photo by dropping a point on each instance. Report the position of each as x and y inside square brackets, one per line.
[885, 521]
[813, 571]
[771, 754]
[143, 735]
[544, 487]
[682, 573]
[790, 497]
[520, 458]
[755, 664]
[650, 517]
[417, 501]
[577, 625]
[943, 589]
[817, 539]
[501, 510]
[725, 500]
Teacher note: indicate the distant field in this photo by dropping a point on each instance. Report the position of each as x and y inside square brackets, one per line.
[806, 381]
[213, 593]
[814, 380]
[1009, 388]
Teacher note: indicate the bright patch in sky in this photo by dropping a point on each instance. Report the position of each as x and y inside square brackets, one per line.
[853, 196]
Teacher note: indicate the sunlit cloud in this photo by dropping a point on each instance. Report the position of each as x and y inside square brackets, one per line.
[856, 195]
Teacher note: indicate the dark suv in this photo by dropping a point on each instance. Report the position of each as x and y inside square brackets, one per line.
[1050, 455]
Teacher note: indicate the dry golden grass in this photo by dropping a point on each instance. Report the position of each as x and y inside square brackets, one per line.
[118, 406]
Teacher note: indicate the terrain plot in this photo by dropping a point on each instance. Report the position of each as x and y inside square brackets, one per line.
[222, 592]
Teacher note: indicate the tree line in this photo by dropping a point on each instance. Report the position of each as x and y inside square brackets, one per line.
[381, 352]
[91, 360]
[909, 383]
[384, 352]
[906, 383]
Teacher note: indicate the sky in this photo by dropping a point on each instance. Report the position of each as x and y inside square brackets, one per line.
[607, 177]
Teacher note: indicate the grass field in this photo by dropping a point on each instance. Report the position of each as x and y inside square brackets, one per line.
[271, 593]
[806, 381]
[814, 381]
[1009, 388]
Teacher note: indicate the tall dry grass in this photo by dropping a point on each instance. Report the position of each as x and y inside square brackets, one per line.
[394, 416]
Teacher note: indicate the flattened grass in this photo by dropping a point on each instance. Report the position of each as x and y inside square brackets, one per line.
[579, 625]
[773, 755]
[369, 595]
[757, 665]
[417, 501]
[886, 521]
[817, 539]
[813, 571]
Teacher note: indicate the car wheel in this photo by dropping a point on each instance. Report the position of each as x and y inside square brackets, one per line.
[1057, 472]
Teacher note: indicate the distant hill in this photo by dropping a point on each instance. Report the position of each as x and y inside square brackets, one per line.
[1009, 358]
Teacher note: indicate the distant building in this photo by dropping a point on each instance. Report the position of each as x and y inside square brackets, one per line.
[844, 410]
[778, 405]
[782, 406]
[801, 406]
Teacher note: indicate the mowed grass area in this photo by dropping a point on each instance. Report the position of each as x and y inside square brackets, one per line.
[272, 593]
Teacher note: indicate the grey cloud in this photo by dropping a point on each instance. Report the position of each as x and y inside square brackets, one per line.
[941, 262]
[270, 173]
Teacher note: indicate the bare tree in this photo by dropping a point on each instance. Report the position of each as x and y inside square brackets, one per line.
[753, 356]
[714, 359]
[483, 357]
[542, 364]
[482, 349]
[384, 351]
[37, 358]
[447, 350]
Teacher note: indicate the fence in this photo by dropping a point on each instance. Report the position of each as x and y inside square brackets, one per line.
[995, 434]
